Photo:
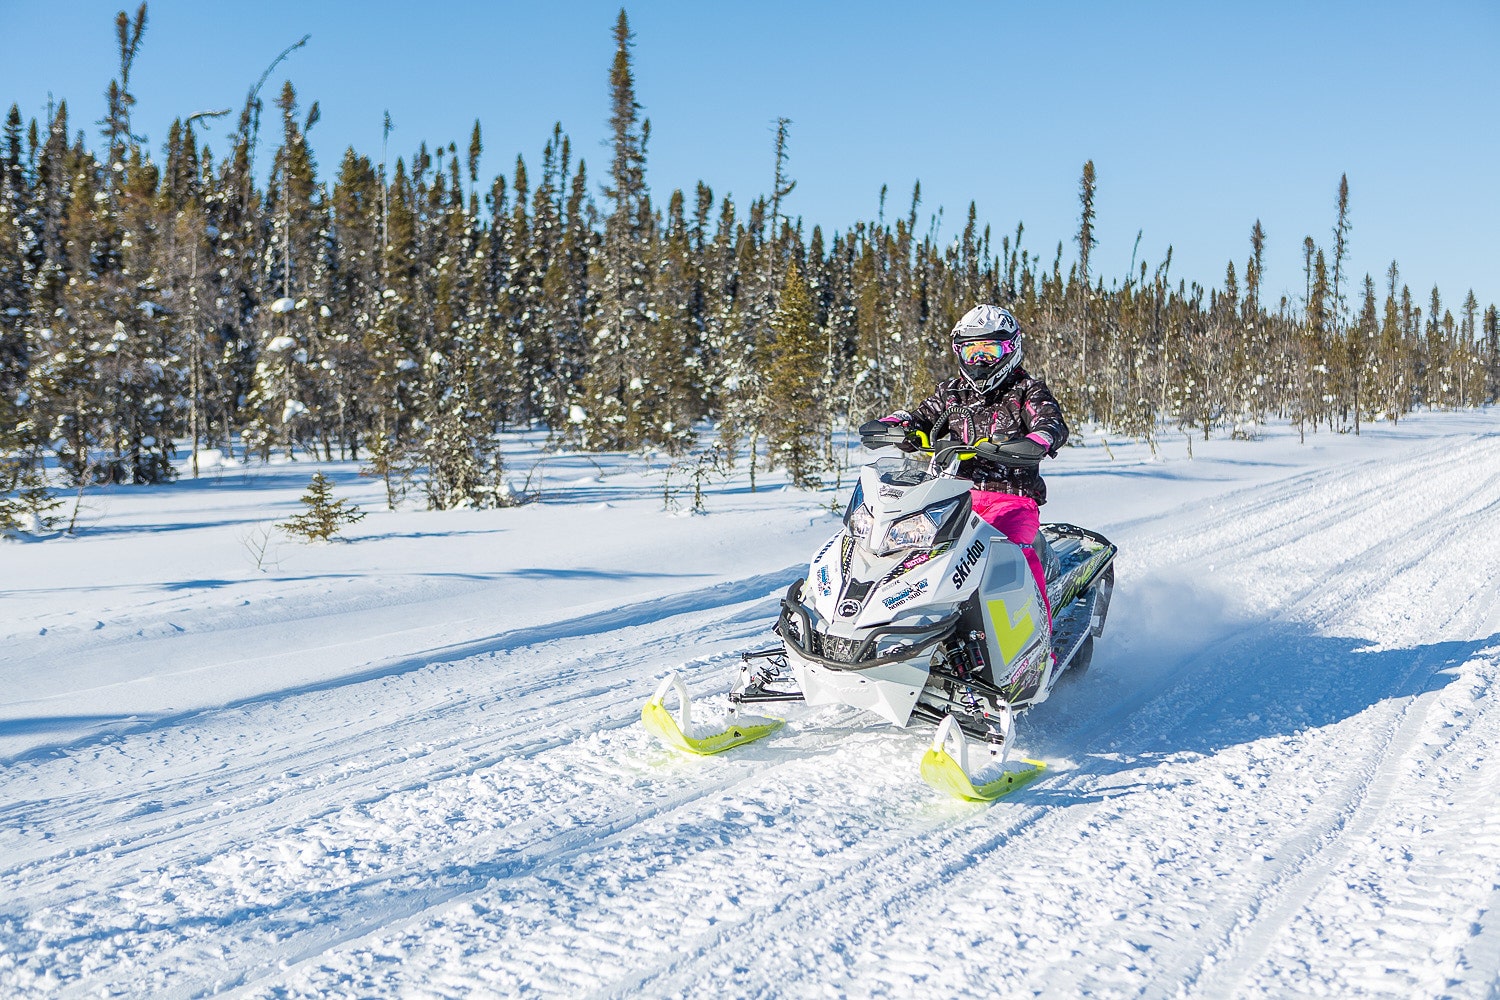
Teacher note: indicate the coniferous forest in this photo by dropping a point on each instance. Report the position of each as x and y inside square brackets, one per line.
[157, 303]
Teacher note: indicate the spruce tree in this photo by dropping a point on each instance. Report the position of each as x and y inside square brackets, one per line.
[15, 271]
[22, 485]
[674, 364]
[1438, 360]
[1359, 343]
[353, 300]
[71, 374]
[392, 344]
[324, 517]
[286, 401]
[613, 392]
[794, 406]
[1254, 270]
[1471, 376]
[26, 502]
[1314, 354]
[459, 450]
[1395, 366]
[1340, 252]
[1491, 355]
[1085, 238]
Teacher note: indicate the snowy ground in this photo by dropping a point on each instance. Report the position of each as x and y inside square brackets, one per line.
[412, 765]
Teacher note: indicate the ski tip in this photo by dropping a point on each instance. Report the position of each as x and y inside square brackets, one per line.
[943, 773]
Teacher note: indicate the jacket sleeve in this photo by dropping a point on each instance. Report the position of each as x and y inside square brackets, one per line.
[1043, 417]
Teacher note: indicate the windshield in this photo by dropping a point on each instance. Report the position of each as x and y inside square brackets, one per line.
[908, 471]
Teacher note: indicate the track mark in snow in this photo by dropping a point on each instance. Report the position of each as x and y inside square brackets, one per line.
[1296, 880]
[1401, 903]
[379, 815]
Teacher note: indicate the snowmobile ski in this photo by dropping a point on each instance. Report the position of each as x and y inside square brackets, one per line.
[676, 730]
[951, 774]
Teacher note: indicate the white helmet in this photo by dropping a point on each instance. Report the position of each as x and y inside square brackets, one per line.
[988, 344]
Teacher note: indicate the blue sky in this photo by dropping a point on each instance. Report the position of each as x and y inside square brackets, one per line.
[1200, 117]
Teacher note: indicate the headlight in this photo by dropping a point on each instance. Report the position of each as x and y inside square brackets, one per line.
[860, 521]
[917, 531]
[855, 502]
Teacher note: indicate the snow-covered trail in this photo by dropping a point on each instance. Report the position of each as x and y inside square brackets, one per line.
[1276, 780]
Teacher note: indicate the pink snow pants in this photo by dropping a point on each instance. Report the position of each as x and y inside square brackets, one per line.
[1016, 518]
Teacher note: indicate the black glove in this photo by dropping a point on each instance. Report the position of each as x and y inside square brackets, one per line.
[1022, 451]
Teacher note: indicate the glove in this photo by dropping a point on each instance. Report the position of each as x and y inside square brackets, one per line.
[1022, 450]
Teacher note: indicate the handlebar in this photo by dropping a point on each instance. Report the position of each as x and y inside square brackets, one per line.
[877, 434]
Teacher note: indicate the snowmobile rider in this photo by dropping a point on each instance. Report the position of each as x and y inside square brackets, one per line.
[994, 398]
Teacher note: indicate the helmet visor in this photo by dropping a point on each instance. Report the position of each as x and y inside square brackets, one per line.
[978, 352]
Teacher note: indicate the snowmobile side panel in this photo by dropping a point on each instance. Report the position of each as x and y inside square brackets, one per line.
[1009, 612]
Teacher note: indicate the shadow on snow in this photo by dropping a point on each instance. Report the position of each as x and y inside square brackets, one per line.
[1269, 681]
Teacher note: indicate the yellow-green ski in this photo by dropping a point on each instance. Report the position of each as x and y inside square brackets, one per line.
[942, 772]
[674, 730]
[950, 774]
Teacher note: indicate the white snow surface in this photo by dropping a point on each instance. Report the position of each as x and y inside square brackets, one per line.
[411, 764]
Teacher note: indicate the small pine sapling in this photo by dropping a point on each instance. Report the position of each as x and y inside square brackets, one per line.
[324, 515]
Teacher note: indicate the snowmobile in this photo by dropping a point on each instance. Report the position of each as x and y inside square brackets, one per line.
[921, 612]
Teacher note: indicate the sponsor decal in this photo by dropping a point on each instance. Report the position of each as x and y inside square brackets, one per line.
[967, 563]
[1027, 678]
[908, 592]
[895, 492]
[845, 552]
[916, 559]
[910, 563]
[825, 581]
[848, 609]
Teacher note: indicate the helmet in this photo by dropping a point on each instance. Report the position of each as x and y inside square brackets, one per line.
[988, 344]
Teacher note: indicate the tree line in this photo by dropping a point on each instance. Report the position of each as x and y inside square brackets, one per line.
[406, 314]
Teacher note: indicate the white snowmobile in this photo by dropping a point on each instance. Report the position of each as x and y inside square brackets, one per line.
[920, 611]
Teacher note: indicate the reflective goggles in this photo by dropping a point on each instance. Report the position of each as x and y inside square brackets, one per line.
[978, 351]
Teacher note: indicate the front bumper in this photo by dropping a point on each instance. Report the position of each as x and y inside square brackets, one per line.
[835, 671]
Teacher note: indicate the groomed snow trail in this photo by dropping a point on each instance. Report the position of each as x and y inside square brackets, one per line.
[1276, 780]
